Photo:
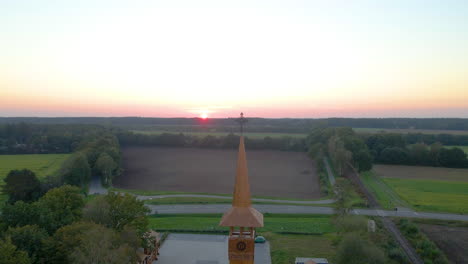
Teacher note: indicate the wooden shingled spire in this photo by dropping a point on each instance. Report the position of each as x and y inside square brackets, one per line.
[241, 213]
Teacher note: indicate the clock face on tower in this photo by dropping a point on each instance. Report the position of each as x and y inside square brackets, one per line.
[241, 246]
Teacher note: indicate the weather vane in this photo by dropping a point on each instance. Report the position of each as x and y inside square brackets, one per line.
[242, 120]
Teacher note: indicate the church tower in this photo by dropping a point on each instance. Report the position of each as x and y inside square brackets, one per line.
[242, 218]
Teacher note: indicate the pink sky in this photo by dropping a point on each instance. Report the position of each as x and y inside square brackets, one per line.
[181, 59]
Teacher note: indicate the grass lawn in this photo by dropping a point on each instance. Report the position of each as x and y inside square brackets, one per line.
[169, 201]
[206, 200]
[432, 195]
[382, 191]
[309, 224]
[151, 193]
[222, 134]
[285, 248]
[41, 164]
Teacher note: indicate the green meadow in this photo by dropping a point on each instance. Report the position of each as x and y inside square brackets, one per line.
[386, 196]
[41, 164]
[432, 195]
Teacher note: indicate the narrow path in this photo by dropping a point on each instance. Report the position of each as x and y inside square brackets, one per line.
[150, 197]
[331, 178]
[297, 209]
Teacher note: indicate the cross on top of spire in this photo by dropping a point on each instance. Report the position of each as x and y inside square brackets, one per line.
[242, 120]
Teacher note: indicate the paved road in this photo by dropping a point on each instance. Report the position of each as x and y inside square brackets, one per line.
[95, 186]
[203, 249]
[297, 209]
[149, 197]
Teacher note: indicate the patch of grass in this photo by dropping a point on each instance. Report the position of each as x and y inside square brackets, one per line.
[205, 200]
[431, 195]
[285, 248]
[155, 193]
[312, 224]
[387, 198]
[41, 164]
[223, 134]
[188, 200]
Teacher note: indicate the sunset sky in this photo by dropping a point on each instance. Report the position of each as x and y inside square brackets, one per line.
[406, 58]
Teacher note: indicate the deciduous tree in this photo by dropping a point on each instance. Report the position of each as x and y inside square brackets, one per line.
[22, 185]
[10, 254]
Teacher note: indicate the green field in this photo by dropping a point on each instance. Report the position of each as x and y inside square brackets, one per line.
[222, 134]
[385, 195]
[285, 247]
[432, 195]
[41, 164]
[405, 131]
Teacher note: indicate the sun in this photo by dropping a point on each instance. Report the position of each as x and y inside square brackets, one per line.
[203, 115]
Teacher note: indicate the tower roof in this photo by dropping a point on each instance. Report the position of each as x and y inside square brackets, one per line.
[241, 213]
[241, 195]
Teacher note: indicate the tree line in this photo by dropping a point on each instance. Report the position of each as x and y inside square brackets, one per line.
[27, 138]
[342, 145]
[230, 141]
[389, 148]
[291, 125]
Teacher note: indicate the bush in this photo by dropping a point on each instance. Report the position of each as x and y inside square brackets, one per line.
[353, 249]
[424, 247]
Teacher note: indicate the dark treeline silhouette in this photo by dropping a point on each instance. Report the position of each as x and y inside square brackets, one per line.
[230, 141]
[290, 125]
[390, 148]
[26, 138]
[99, 145]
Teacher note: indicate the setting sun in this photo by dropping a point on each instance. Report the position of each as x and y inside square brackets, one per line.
[203, 115]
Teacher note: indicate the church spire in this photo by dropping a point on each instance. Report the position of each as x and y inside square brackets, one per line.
[241, 197]
[241, 213]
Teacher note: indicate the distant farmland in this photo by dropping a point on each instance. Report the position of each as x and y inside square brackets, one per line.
[272, 173]
[421, 172]
[41, 164]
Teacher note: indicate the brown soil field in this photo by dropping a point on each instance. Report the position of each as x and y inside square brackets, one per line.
[420, 172]
[453, 241]
[272, 173]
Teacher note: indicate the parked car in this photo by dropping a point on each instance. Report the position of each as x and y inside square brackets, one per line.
[260, 239]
